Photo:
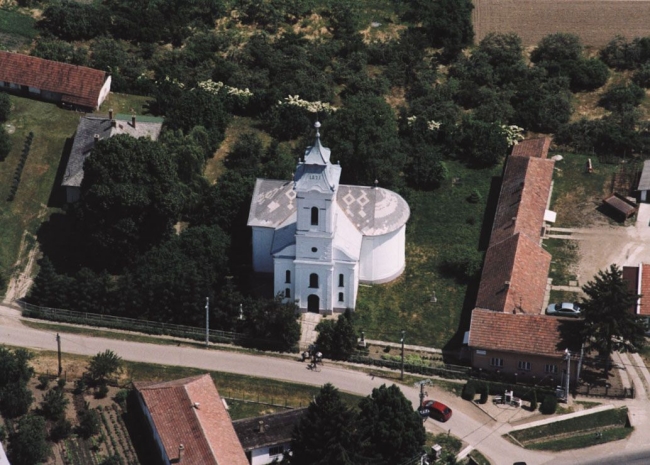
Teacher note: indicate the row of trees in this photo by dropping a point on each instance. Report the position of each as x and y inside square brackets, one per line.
[385, 429]
[5, 110]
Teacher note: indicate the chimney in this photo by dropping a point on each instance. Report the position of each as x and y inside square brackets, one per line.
[507, 284]
[133, 121]
[110, 113]
[96, 136]
[261, 427]
[181, 448]
[113, 123]
[196, 405]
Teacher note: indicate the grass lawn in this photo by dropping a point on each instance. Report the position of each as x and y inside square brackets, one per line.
[51, 126]
[564, 256]
[16, 29]
[439, 219]
[576, 432]
[564, 296]
[125, 104]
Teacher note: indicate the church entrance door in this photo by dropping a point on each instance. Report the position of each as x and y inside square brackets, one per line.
[313, 302]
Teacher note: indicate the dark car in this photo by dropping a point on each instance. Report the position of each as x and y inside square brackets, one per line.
[569, 309]
[437, 410]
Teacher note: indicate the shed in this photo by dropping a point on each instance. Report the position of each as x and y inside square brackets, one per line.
[620, 205]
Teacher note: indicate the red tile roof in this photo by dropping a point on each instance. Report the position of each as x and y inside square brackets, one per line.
[519, 333]
[205, 431]
[525, 190]
[532, 148]
[514, 276]
[78, 85]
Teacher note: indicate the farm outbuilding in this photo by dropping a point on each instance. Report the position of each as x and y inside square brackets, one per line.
[620, 206]
[74, 86]
[644, 182]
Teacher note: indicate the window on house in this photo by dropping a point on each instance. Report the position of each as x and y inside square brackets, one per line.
[276, 450]
[313, 280]
[287, 293]
[341, 280]
[287, 276]
[340, 297]
[548, 368]
[496, 362]
[314, 216]
[523, 366]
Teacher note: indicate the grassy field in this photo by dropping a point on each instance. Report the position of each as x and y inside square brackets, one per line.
[439, 219]
[577, 432]
[51, 126]
[16, 30]
[126, 104]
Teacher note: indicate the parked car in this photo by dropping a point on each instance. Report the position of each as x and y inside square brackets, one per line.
[569, 309]
[437, 410]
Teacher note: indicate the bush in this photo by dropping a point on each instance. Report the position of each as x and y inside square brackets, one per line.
[88, 423]
[462, 262]
[549, 405]
[120, 398]
[44, 381]
[469, 391]
[485, 390]
[102, 391]
[474, 197]
[622, 97]
[641, 76]
[60, 430]
[5, 107]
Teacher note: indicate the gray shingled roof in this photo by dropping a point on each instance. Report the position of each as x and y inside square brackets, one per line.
[373, 211]
[277, 429]
[92, 127]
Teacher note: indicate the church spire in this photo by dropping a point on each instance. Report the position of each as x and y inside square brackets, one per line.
[317, 154]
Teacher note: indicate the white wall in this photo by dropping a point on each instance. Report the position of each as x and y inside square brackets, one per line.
[302, 289]
[281, 265]
[261, 456]
[383, 257]
[106, 88]
[262, 242]
[350, 285]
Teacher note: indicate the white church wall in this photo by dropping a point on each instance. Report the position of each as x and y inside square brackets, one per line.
[349, 288]
[262, 241]
[304, 270]
[325, 213]
[280, 281]
[383, 257]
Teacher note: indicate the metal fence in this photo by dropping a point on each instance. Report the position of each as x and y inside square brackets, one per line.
[605, 391]
[130, 324]
[446, 371]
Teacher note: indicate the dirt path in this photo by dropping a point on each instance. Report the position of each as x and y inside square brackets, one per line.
[21, 279]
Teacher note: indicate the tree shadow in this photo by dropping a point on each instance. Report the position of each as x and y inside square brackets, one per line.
[60, 240]
[57, 197]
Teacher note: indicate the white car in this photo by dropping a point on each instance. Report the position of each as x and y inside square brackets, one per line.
[569, 309]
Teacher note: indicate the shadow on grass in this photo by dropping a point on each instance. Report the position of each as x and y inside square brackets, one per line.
[140, 432]
[469, 301]
[57, 197]
[59, 241]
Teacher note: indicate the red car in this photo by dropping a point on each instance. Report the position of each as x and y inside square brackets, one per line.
[437, 410]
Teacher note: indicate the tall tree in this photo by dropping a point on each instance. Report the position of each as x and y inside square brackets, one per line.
[390, 429]
[272, 325]
[130, 198]
[325, 435]
[447, 23]
[609, 317]
[337, 340]
[104, 364]
[28, 446]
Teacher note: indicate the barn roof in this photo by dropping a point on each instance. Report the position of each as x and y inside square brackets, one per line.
[277, 429]
[190, 412]
[78, 85]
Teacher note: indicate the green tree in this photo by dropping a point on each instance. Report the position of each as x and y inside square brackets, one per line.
[608, 311]
[447, 23]
[326, 434]
[481, 143]
[14, 366]
[71, 20]
[54, 404]
[5, 143]
[271, 325]
[89, 423]
[558, 47]
[130, 198]
[337, 340]
[28, 445]
[462, 261]
[389, 427]
[15, 399]
[622, 98]
[363, 137]
[5, 107]
[104, 364]
[61, 429]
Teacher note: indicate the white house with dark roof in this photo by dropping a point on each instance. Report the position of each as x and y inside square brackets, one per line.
[320, 238]
[94, 128]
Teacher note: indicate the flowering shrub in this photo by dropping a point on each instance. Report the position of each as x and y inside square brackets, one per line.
[311, 107]
[513, 134]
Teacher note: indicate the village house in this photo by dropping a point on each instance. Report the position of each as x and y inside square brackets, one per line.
[189, 422]
[509, 332]
[265, 439]
[94, 128]
[73, 86]
[320, 239]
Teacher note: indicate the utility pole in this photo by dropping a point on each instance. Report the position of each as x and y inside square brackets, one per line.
[582, 354]
[402, 341]
[207, 321]
[567, 355]
[58, 344]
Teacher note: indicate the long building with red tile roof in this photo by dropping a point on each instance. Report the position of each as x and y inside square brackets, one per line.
[189, 422]
[77, 86]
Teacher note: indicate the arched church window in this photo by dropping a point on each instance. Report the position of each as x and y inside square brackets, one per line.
[314, 216]
[287, 276]
[313, 280]
[340, 297]
[341, 280]
[287, 293]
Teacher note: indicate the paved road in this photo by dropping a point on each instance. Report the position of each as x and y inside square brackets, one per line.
[468, 422]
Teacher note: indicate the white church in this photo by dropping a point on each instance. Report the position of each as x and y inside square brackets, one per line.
[321, 239]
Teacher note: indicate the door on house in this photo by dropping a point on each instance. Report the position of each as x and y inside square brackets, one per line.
[313, 303]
